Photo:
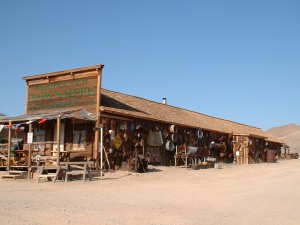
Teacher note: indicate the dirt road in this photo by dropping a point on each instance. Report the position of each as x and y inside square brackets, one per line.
[244, 194]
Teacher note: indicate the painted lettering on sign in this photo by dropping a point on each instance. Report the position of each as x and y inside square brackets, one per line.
[71, 93]
[62, 84]
[62, 95]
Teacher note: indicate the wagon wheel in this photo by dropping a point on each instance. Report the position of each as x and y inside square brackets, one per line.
[132, 164]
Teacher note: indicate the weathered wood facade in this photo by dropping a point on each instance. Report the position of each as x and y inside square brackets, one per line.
[226, 141]
[71, 90]
[62, 108]
[65, 109]
[254, 149]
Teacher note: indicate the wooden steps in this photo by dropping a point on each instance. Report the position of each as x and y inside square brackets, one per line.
[48, 172]
[13, 174]
[62, 170]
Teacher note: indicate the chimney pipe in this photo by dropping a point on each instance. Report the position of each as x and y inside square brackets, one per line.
[164, 101]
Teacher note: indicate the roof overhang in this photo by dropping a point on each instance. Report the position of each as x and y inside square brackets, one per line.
[64, 72]
[78, 114]
[129, 115]
[250, 135]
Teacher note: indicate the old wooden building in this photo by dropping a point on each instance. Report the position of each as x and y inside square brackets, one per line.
[65, 111]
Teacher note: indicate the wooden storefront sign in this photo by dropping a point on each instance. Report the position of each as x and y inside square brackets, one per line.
[74, 90]
[62, 95]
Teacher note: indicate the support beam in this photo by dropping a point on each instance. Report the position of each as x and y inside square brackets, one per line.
[101, 152]
[186, 158]
[96, 143]
[176, 156]
[9, 146]
[29, 153]
[58, 140]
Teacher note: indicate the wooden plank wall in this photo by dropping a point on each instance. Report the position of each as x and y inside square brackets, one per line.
[63, 94]
[130, 138]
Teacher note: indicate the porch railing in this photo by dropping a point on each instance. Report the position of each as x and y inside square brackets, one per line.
[3, 147]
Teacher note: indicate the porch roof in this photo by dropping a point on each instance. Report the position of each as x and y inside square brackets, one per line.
[78, 114]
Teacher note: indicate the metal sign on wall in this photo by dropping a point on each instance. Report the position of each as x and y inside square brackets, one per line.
[63, 92]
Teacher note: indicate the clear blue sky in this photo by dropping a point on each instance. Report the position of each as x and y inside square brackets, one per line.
[236, 60]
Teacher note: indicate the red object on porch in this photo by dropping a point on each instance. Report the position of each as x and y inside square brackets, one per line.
[42, 121]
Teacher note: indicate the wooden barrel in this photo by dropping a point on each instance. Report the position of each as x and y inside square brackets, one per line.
[271, 156]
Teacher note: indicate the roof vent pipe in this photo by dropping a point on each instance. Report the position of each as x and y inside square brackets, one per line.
[164, 101]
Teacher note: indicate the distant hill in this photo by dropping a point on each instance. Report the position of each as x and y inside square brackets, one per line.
[290, 134]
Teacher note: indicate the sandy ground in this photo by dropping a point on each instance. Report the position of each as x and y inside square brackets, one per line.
[243, 194]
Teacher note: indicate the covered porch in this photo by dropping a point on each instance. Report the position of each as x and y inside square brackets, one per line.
[51, 140]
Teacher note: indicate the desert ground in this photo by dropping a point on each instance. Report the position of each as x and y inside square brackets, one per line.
[233, 194]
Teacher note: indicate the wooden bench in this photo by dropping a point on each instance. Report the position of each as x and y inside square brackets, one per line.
[76, 172]
[77, 168]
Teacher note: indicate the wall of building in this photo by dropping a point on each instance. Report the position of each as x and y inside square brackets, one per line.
[153, 139]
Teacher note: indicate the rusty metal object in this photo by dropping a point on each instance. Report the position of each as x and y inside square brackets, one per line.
[138, 163]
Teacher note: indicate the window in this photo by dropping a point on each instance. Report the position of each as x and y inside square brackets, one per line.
[39, 136]
[79, 136]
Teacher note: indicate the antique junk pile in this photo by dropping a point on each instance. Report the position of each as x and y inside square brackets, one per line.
[71, 119]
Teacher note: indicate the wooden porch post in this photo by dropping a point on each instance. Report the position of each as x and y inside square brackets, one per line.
[101, 152]
[9, 145]
[176, 156]
[58, 139]
[247, 151]
[186, 158]
[29, 153]
[97, 125]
